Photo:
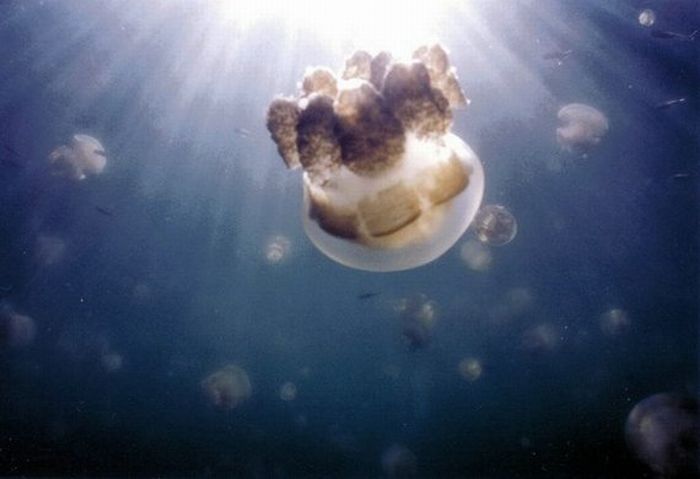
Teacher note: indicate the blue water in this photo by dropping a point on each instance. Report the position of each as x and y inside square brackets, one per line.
[172, 274]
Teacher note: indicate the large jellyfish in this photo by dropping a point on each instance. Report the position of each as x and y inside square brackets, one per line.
[663, 431]
[581, 127]
[85, 156]
[387, 186]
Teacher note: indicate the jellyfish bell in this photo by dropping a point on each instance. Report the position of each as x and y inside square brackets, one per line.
[495, 225]
[663, 431]
[582, 127]
[647, 17]
[227, 388]
[85, 156]
[386, 185]
[16, 330]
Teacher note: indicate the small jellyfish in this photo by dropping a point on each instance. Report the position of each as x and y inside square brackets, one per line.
[663, 431]
[647, 17]
[398, 461]
[581, 127]
[475, 255]
[541, 338]
[277, 249]
[85, 156]
[418, 316]
[614, 321]
[228, 387]
[470, 369]
[16, 330]
[495, 225]
[386, 184]
[288, 391]
[111, 361]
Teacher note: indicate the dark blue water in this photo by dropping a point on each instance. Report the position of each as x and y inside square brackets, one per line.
[164, 258]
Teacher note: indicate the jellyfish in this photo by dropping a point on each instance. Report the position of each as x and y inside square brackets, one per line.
[277, 249]
[663, 431]
[581, 127]
[85, 156]
[16, 330]
[495, 225]
[227, 388]
[614, 321]
[418, 316]
[386, 185]
[647, 17]
[475, 255]
[541, 338]
[399, 461]
[50, 250]
[470, 369]
[288, 391]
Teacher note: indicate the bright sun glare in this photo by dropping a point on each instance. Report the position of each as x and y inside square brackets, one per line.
[395, 25]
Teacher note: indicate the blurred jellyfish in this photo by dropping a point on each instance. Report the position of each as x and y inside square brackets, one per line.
[614, 322]
[85, 156]
[398, 461]
[16, 330]
[141, 292]
[647, 17]
[111, 361]
[470, 369]
[495, 225]
[228, 387]
[387, 186]
[418, 316]
[663, 431]
[277, 249]
[514, 303]
[541, 338]
[288, 391]
[50, 250]
[475, 255]
[581, 127]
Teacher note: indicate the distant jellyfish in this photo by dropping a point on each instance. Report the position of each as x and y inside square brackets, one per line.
[277, 249]
[111, 361]
[475, 255]
[663, 431]
[418, 316]
[514, 303]
[16, 330]
[614, 321]
[495, 225]
[540, 338]
[387, 186]
[399, 462]
[470, 369]
[647, 17]
[288, 391]
[581, 127]
[50, 250]
[228, 387]
[85, 156]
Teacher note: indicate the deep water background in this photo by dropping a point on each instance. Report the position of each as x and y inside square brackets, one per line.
[176, 281]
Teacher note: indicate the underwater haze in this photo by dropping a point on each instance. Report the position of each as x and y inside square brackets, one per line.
[163, 312]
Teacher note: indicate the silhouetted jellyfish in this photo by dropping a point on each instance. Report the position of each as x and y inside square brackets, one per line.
[85, 156]
[495, 225]
[470, 369]
[663, 431]
[398, 461]
[475, 255]
[16, 330]
[647, 17]
[228, 387]
[581, 127]
[288, 391]
[418, 315]
[387, 186]
[614, 321]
